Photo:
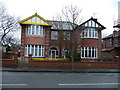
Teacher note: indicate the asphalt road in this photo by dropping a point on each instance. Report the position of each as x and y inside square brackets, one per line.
[59, 80]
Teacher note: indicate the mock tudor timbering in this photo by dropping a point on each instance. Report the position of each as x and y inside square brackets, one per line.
[41, 38]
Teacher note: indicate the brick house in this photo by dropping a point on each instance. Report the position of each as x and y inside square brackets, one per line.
[42, 38]
[111, 44]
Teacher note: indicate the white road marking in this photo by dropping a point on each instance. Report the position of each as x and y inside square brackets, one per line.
[89, 84]
[13, 84]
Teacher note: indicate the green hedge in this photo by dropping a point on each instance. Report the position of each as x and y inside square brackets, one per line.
[51, 59]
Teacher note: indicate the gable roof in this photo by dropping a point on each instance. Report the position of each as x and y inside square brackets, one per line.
[93, 19]
[36, 20]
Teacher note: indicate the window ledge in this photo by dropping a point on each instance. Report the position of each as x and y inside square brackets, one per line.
[35, 35]
[88, 38]
[88, 58]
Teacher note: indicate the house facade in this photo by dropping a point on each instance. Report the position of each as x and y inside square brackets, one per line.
[51, 39]
[111, 44]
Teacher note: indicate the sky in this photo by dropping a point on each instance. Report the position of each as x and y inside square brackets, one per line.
[106, 11]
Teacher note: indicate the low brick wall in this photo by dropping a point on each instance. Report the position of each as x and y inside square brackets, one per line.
[67, 64]
[9, 62]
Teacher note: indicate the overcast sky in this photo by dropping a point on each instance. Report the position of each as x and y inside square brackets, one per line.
[106, 11]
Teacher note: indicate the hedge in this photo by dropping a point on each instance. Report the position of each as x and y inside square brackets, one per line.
[51, 59]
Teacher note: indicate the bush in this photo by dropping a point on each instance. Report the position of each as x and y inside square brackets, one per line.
[11, 57]
[51, 59]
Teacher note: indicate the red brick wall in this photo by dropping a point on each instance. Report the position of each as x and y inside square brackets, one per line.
[23, 31]
[47, 40]
[9, 62]
[8, 55]
[106, 44]
[68, 64]
[90, 43]
[36, 40]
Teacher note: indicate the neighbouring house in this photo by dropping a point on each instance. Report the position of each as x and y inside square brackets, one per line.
[111, 44]
[51, 39]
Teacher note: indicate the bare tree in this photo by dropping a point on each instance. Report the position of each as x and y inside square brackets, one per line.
[8, 24]
[72, 14]
[58, 25]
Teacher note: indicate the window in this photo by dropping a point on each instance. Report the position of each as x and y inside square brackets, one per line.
[35, 30]
[35, 50]
[89, 52]
[111, 41]
[54, 35]
[66, 35]
[90, 33]
[65, 53]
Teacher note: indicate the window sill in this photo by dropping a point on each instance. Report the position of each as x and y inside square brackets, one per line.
[88, 38]
[35, 36]
[88, 58]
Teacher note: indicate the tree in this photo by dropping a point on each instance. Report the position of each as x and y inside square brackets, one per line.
[8, 24]
[72, 14]
[57, 24]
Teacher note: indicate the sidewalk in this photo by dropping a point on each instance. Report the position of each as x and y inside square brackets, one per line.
[65, 70]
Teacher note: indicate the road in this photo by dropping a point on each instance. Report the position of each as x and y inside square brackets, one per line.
[59, 80]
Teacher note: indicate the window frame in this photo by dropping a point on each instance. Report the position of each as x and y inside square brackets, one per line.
[35, 50]
[90, 33]
[89, 52]
[35, 30]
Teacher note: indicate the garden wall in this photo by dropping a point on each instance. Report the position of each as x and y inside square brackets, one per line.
[67, 64]
[9, 62]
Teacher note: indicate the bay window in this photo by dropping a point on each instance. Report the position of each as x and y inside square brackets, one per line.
[90, 33]
[35, 50]
[89, 52]
[35, 30]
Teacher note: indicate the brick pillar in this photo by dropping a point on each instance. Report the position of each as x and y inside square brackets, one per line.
[29, 59]
[47, 40]
[99, 45]
[16, 58]
[22, 49]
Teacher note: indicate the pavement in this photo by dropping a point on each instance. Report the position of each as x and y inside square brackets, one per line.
[65, 70]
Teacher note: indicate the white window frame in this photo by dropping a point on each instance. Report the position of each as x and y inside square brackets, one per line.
[34, 30]
[86, 51]
[32, 49]
[90, 33]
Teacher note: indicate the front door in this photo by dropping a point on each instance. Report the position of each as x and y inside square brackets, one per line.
[53, 53]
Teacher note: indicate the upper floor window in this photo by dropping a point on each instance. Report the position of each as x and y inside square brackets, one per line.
[54, 35]
[90, 33]
[66, 35]
[34, 30]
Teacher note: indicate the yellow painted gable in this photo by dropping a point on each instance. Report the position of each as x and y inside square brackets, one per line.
[36, 20]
